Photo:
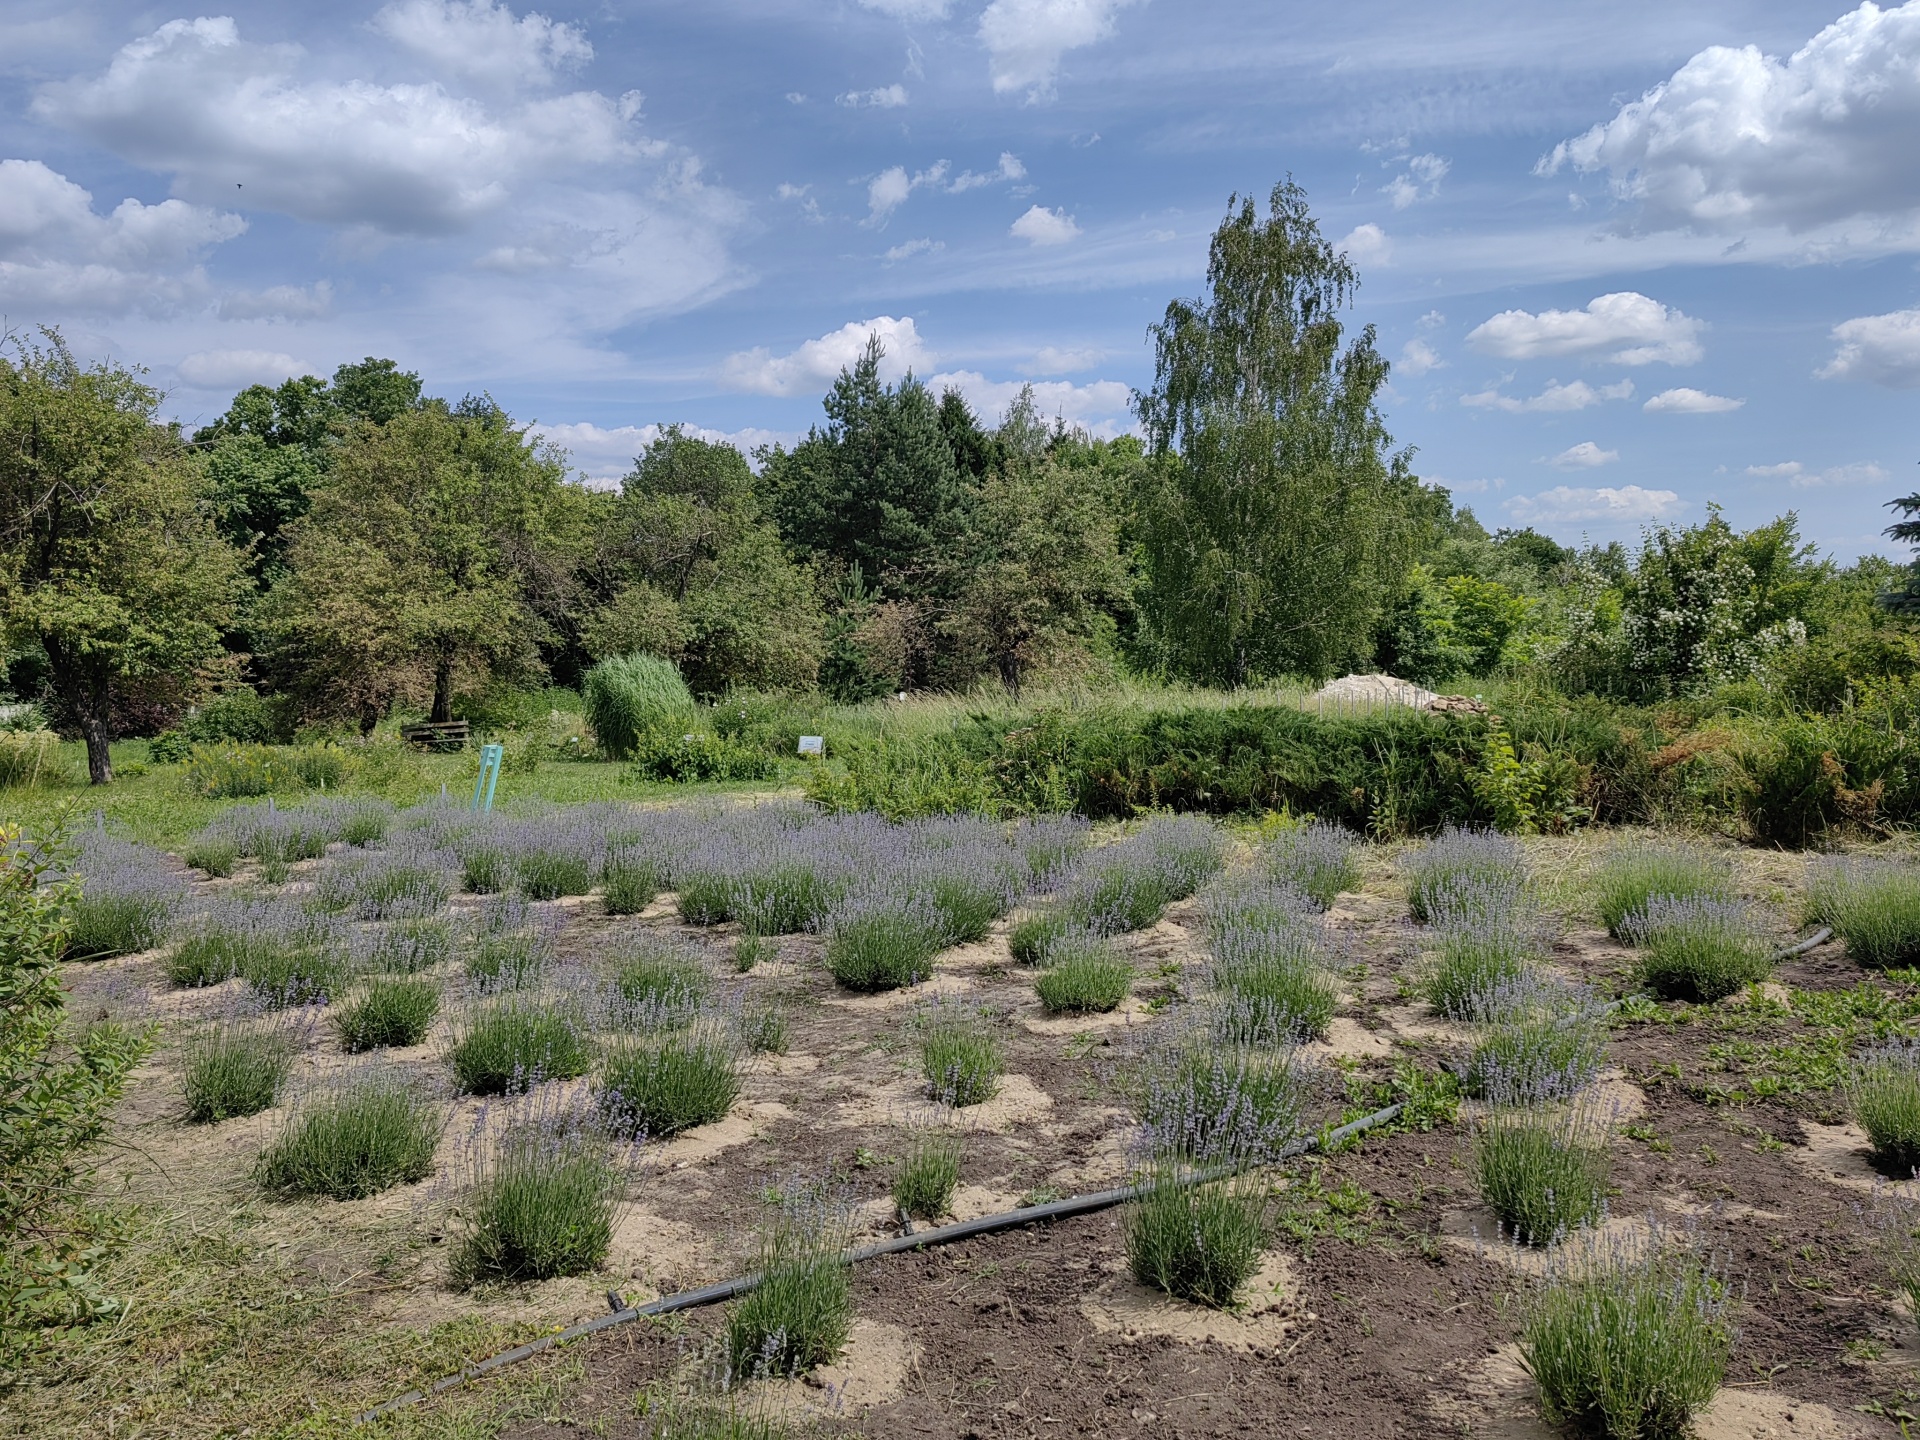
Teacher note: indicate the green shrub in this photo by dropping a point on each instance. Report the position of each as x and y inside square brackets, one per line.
[1542, 1169]
[1875, 908]
[928, 1171]
[906, 778]
[1198, 1243]
[687, 758]
[542, 1203]
[656, 1087]
[1884, 1086]
[213, 854]
[1635, 872]
[630, 880]
[370, 1134]
[235, 1069]
[1697, 949]
[388, 1012]
[630, 698]
[959, 1059]
[513, 1042]
[1627, 1341]
[801, 1313]
[1085, 975]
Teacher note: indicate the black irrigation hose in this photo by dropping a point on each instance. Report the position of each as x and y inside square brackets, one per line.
[944, 1235]
[1819, 937]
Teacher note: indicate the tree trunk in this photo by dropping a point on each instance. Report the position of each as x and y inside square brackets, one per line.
[442, 692]
[1010, 669]
[86, 696]
[99, 758]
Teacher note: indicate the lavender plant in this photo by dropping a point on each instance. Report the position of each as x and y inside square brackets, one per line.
[387, 1012]
[1085, 975]
[1049, 843]
[1271, 968]
[959, 1059]
[408, 945]
[877, 939]
[1883, 1085]
[386, 884]
[558, 854]
[1697, 948]
[510, 1043]
[1628, 1338]
[287, 955]
[631, 878]
[128, 897]
[1202, 1102]
[927, 1172]
[1483, 943]
[1893, 1226]
[657, 984]
[1464, 863]
[1636, 872]
[355, 1139]
[1128, 885]
[654, 1087]
[1033, 935]
[239, 1064]
[1541, 1039]
[801, 1313]
[1317, 859]
[213, 855]
[1873, 905]
[1196, 1242]
[1542, 1168]
[543, 1191]
[512, 943]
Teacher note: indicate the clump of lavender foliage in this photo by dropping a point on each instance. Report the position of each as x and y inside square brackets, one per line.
[1698, 947]
[129, 894]
[407, 879]
[1485, 936]
[880, 939]
[1477, 863]
[1542, 1038]
[511, 945]
[1199, 1101]
[1317, 859]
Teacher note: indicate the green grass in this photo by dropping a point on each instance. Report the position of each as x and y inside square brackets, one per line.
[371, 1134]
[1085, 975]
[1634, 872]
[926, 1174]
[959, 1059]
[656, 1087]
[1198, 1243]
[542, 1205]
[1542, 1170]
[234, 1069]
[513, 1042]
[388, 1012]
[1884, 1088]
[1630, 1342]
[801, 1314]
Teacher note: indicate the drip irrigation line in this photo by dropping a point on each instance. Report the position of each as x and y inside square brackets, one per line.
[918, 1240]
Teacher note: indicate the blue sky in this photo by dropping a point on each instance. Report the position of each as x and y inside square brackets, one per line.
[1628, 259]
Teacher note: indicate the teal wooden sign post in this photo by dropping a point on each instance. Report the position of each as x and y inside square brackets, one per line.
[490, 757]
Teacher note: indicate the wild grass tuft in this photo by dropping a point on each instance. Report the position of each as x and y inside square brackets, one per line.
[1627, 1339]
[370, 1134]
[801, 1314]
[1696, 948]
[1884, 1087]
[1476, 862]
[650, 1088]
[1542, 1169]
[1198, 1243]
[542, 1199]
[1635, 872]
[234, 1068]
[926, 1174]
[1085, 975]
[389, 1012]
[1317, 859]
[959, 1059]
[512, 1042]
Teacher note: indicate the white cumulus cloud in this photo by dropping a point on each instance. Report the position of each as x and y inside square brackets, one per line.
[1556, 397]
[484, 43]
[1366, 245]
[234, 369]
[1884, 349]
[1025, 39]
[1687, 401]
[1041, 226]
[1565, 504]
[1584, 456]
[1738, 138]
[1865, 472]
[887, 97]
[196, 100]
[57, 253]
[1418, 358]
[1419, 181]
[278, 302]
[813, 365]
[1102, 407]
[1627, 327]
[605, 454]
[889, 190]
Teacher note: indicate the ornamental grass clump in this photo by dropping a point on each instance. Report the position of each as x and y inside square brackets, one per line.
[1697, 948]
[1196, 1242]
[1884, 1087]
[927, 1172]
[881, 940]
[512, 944]
[368, 1134]
[631, 697]
[800, 1315]
[1628, 1338]
[1542, 1167]
[128, 896]
[238, 1065]
[1085, 975]
[543, 1190]
[1635, 872]
[1317, 859]
[1203, 1102]
[1464, 865]
[653, 1087]
[389, 1012]
[1872, 905]
[510, 1043]
[960, 1059]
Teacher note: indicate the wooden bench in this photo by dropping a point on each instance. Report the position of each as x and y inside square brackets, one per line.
[446, 735]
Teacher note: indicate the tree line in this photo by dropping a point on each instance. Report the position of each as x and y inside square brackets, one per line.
[354, 545]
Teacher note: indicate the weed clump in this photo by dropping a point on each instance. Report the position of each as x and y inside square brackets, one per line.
[390, 1012]
[801, 1313]
[1697, 948]
[960, 1061]
[1884, 1087]
[1085, 975]
[369, 1135]
[512, 1042]
[1635, 873]
[1461, 863]
[1627, 1340]
[541, 1199]
[1198, 1243]
[923, 1183]
[657, 1087]
[1317, 859]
